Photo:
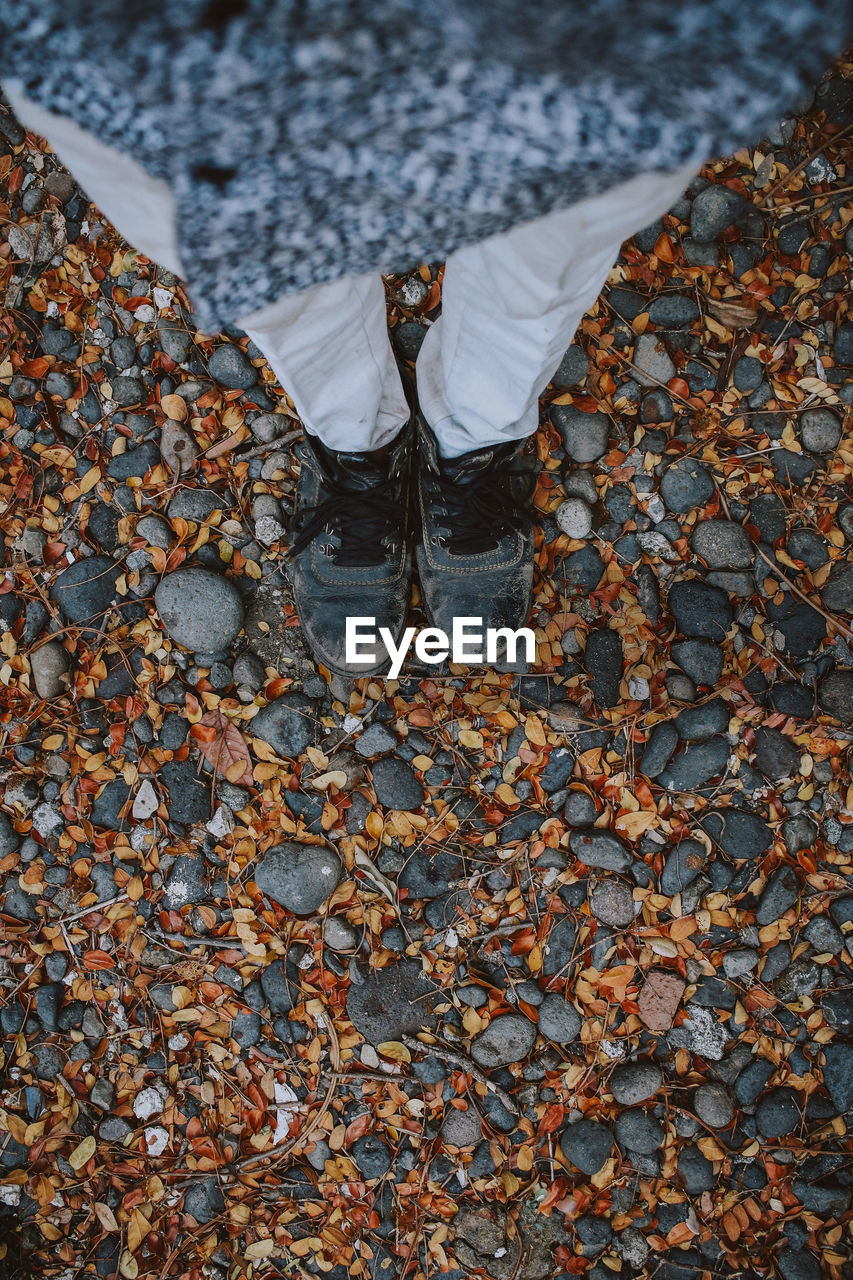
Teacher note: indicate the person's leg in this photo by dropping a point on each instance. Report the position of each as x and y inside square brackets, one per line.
[330, 348]
[511, 305]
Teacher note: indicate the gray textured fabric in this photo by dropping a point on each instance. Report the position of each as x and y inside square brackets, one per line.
[306, 140]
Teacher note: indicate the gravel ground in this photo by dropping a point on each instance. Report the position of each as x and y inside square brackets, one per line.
[457, 974]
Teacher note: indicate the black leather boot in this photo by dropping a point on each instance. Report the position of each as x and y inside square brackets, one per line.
[352, 550]
[474, 536]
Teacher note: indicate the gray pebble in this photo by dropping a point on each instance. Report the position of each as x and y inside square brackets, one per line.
[558, 1019]
[820, 430]
[301, 877]
[598, 848]
[634, 1082]
[200, 609]
[229, 366]
[508, 1038]
[584, 434]
[652, 362]
[612, 902]
[722, 544]
[49, 664]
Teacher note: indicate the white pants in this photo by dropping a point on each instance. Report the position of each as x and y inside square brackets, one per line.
[510, 306]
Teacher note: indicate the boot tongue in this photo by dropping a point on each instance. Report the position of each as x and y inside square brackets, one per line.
[353, 470]
[465, 469]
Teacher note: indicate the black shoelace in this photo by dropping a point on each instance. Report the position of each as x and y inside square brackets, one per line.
[476, 515]
[364, 520]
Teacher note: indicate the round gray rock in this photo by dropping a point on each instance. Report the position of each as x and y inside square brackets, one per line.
[85, 590]
[633, 1082]
[837, 594]
[200, 609]
[559, 1020]
[392, 1002]
[640, 1131]
[588, 1145]
[713, 1105]
[301, 877]
[49, 665]
[230, 367]
[778, 1113]
[612, 902]
[574, 518]
[597, 848]
[820, 430]
[835, 695]
[685, 485]
[395, 784]
[462, 1128]
[287, 724]
[713, 210]
[652, 362]
[584, 434]
[508, 1038]
[722, 544]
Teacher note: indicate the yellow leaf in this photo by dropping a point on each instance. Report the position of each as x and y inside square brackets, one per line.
[317, 757]
[232, 417]
[89, 480]
[128, 1266]
[260, 1249]
[373, 825]
[175, 407]
[534, 731]
[635, 824]
[471, 738]
[394, 1050]
[334, 778]
[471, 1021]
[710, 1149]
[82, 1153]
[423, 763]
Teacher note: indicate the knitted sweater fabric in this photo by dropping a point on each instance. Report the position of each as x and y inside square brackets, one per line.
[305, 140]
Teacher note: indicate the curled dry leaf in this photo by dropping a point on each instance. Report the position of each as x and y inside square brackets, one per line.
[222, 745]
[734, 313]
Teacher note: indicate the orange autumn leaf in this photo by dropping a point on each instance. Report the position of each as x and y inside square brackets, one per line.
[616, 980]
[357, 1128]
[98, 960]
[222, 745]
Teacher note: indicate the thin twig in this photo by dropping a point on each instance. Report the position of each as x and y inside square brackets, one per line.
[276, 443]
[462, 1060]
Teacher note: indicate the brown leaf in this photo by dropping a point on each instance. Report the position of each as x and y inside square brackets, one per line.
[226, 748]
[734, 313]
[357, 1128]
[659, 999]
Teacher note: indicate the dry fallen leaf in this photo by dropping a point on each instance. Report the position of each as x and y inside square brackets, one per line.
[223, 746]
[659, 999]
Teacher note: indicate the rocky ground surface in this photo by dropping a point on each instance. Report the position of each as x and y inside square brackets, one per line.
[521, 977]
